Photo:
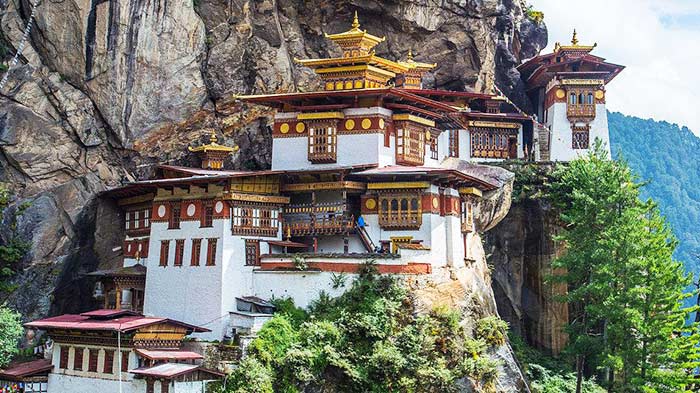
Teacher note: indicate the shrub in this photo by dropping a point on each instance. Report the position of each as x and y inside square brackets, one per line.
[492, 330]
[250, 376]
[10, 333]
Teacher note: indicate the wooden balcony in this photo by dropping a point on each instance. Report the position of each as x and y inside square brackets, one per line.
[586, 111]
[317, 220]
[407, 219]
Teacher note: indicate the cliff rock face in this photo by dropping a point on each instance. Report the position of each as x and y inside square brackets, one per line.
[521, 249]
[106, 89]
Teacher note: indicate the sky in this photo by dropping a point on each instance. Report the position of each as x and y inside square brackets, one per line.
[657, 40]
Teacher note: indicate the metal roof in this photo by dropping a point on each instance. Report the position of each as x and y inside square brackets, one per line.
[121, 323]
[18, 371]
[169, 355]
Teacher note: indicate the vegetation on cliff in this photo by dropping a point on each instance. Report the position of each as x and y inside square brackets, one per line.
[12, 248]
[10, 333]
[628, 324]
[370, 339]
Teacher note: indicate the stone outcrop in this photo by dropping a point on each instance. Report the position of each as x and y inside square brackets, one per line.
[521, 249]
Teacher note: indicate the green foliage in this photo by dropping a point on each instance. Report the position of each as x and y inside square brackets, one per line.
[10, 333]
[13, 249]
[250, 376]
[299, 262]
[370, 339]
[492, 330]
[664, 156]
[625, 289]
[535, 16]
[285, 307]
[338, 280]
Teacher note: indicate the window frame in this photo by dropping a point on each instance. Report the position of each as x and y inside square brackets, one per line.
[255, 220]
[322, 148]
[252, 252]
[179, 252]
[400, 210]
[196, 254]
[174, 219]
[211, 251]
[164, 253]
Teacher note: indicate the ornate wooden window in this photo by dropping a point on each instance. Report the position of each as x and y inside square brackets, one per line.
[196, 252]
[174, 219]
[454, 143]
[207, 218]
[125, 361]
[164, 251]
[179, 251]
[260, 220]
[108, 366]
[434, 148]
[581, 103]
[323, 143]
[400, 211]
[63, 357]
[93, 356]
[164, 386]
[492, 142]
[211, 252]
[580, 136]
[252, 252]
[78, 359]
[410, 144]
[137, 220]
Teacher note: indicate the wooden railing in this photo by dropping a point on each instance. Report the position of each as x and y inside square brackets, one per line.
[581, 111]
[317, 219]
[406, 219]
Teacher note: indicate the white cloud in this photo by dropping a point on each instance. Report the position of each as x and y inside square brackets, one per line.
[658, 42]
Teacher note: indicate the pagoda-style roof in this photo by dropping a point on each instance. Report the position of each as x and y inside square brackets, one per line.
[173, 370]
[447, 173]
[568, 61]
[137, 270]
[212, 146]
[19, 371]
[331, 64]
[416, 65]
[112, 320]
[355, 37]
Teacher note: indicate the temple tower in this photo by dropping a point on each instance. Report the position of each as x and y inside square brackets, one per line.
[567, 88]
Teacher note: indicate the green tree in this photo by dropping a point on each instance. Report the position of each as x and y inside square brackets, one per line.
[625, 290]
[14, 248]
[10, 333]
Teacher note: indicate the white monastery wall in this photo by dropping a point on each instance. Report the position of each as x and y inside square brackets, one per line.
[178, 292]
[353, 149]
[73, 384]
[188, 387]
[561, 147]
[56, 361]
[303, 286]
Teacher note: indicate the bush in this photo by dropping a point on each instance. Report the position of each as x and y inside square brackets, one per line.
[492, 330]
[10, 333]
[250, 376]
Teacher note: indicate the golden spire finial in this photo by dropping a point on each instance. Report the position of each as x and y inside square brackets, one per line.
[212, 137]
[410, 54]
[355, 21]
[574, 39]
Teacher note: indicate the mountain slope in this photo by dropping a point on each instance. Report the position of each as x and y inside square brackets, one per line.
[666, 156]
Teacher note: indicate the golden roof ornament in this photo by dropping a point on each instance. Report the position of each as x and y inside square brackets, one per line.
[575, 45]
[212, 154]
[574, 39]
[415, 65]
[355, 22]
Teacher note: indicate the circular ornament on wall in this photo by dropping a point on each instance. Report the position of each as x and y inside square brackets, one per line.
[436, 203]
[560, 93]
[128, 247]
[191, 209]
[381, 123]
[161, 211]
[349, 124]
[284, 128]
[599, 94]
[219, 207]
[300, 127]
[366, 124]
[427, 135]
[370, 204]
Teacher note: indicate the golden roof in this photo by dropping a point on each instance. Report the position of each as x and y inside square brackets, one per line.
[212, 146]
[370, 59]
[415, 65]
[574, 45]
[355, 36]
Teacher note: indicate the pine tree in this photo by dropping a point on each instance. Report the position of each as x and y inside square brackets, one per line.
[628, 324]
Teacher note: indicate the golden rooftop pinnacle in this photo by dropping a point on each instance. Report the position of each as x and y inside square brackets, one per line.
[574, 39]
